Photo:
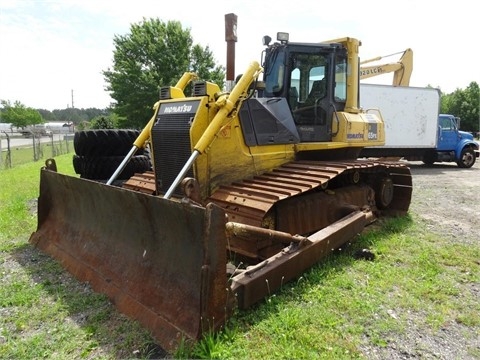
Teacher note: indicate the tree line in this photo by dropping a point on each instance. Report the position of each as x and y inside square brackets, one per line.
[464, 103]
[156, 53]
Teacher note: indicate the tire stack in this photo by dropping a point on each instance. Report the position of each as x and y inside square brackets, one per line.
[98, 153]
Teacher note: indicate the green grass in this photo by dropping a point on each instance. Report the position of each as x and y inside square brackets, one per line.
[418, 279]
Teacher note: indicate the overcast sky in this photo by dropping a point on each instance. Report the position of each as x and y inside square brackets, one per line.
[51, 49]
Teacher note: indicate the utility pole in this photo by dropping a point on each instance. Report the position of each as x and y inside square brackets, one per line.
[72, 100]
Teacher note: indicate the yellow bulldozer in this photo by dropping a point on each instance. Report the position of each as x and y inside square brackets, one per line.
[247, 189]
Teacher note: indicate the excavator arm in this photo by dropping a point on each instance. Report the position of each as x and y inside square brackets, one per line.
[402, 69]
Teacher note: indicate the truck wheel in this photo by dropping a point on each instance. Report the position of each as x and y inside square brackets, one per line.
[467, 158]
[103, 167]
[429, 158]
[105, 142]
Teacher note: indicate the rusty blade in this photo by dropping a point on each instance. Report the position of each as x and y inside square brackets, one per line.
[159, 261]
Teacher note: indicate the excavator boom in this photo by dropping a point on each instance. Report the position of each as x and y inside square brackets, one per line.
[402, 69]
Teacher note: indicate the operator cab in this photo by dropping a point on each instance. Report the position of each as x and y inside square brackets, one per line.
[312, 77]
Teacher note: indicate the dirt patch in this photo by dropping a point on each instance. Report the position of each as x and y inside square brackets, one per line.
[447, 199]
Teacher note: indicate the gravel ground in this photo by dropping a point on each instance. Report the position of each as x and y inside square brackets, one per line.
[447, 199]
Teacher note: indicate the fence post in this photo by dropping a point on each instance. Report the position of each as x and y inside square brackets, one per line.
[8, 159]
[54, 152]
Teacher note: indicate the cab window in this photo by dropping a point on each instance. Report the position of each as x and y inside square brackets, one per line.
[340, 92]
[446, 123]
[275, 78]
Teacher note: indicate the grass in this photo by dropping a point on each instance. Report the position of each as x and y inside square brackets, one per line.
[418, 280]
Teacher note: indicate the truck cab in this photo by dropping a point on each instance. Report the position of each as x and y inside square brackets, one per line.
[453, 144]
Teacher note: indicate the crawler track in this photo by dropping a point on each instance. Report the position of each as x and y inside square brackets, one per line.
[249, 200]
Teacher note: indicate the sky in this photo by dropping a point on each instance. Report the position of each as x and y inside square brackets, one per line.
[53, 52]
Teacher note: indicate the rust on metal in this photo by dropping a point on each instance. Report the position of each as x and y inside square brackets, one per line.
[250, 200]
[161, 262]
[253, 232]
[51, 165]
[268, 276]
[144, 183]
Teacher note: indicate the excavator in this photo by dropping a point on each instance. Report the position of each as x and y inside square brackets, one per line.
[248, 189]
[402, 69]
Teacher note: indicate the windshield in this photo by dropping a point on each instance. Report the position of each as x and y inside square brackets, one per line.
[304, 75]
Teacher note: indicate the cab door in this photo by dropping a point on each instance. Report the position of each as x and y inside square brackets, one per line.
[447, 134]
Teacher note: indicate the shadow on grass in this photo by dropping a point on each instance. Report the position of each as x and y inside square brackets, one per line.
[91, 311]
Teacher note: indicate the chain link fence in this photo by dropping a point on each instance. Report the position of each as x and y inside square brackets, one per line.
[16, 149]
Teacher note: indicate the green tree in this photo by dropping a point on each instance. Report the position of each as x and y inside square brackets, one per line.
[103, 122]
[203, 64]
[19, 115]
[152, 55]
[47, 115]
[466, 105]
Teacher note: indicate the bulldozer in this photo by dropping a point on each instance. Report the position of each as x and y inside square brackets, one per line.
[247, 190]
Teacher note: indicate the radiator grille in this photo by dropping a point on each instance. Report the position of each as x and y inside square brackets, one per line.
[171, 145]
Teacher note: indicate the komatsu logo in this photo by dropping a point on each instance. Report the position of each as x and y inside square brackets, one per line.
[355, 136]
[177, 109]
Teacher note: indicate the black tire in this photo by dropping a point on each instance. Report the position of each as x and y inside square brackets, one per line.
[467, 158]
[106, 142]
[77, 164]
[103, 167]
[429, 158]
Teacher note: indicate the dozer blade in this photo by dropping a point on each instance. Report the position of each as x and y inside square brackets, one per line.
[159, 261]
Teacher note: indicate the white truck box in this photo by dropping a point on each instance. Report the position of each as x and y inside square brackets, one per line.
[410, 114]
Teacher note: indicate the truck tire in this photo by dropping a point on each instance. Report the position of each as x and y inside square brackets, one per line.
[429, 158]
[467, 158]
[105, 142]
[103, 167]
